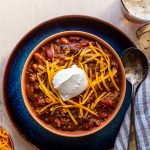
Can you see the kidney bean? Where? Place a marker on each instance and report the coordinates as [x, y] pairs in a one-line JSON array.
[[107, 102], [74, 38], [32, 78], [103, 115], [36, 88], [75, 51], [85, 119], [98, 122], [116, 80], [64, 40], [56, 47], [30, 91], [40, 101], [38, 58], [83, 44], [62, 63], [61, 56], [114, 64], [35, 67], [64, 121], [35, 96], [49, 53], [57, 41], [47, 120], [57, 123], [47, 100], [73, 46]]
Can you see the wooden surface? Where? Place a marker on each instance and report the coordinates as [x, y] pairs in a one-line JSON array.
[[19, 16]]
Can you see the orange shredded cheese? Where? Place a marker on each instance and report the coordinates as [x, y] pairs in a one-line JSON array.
[[5, 142], [88, 96], [95, 82], [96, 67], [104, 83], [111, 76], [70, 63], [65, 106], [89, 59], [67, 52], [69, 58], [98, 82], [88, 106], [96, 95], [89, 55], [72, 117], [52, 47], [47, 106], [83, 107], [80, 110], [101, 97], [93, 49], [45, 90], [42, 68], [85, 52]]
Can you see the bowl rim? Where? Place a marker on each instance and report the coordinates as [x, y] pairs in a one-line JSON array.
[[51, 128], [132, 16]]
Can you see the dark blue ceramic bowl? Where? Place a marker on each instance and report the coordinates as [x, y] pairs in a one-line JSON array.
[[28, 128]]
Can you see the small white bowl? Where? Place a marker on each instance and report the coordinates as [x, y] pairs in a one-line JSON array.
[[129, 16]]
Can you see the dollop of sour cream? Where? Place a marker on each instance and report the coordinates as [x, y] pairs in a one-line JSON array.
[[70, 82], [138, 8]]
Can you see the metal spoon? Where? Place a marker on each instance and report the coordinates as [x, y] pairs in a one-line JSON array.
[[136, 69]]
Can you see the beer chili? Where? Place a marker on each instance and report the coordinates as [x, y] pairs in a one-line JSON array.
[[86, 110]]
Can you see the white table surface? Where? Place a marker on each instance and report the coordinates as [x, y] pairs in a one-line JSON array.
[[19, 16]]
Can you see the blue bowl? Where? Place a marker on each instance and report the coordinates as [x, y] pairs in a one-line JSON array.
[[28, 128]]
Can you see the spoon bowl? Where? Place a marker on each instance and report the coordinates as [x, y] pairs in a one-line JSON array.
[[136, 65]]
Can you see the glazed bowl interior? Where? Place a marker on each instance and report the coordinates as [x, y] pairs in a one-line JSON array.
[[74, 133]]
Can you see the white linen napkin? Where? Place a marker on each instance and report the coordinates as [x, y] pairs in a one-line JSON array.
[[142, 119]]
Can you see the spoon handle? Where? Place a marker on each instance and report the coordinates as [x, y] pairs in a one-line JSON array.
[[132, 141]]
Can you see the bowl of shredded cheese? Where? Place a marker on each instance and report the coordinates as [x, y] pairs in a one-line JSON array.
[[6, 142], [136, 10]]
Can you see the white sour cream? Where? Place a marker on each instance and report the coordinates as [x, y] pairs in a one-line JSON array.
[[138, 8], [70, 82]]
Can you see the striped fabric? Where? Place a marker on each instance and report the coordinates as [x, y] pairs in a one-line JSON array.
[[142, 119]]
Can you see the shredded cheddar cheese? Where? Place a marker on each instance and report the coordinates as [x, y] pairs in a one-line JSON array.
[[70, 63], [42, 68], [80, 110], [65, 106], [45, 90], [5, 143], [83, 107], [88, 106], [95, 82], [67, 52], [93, 49], [103, 96], [72, 117], [88, 96], [47, 106], [98, 82], [89, 59], [104, 83]]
